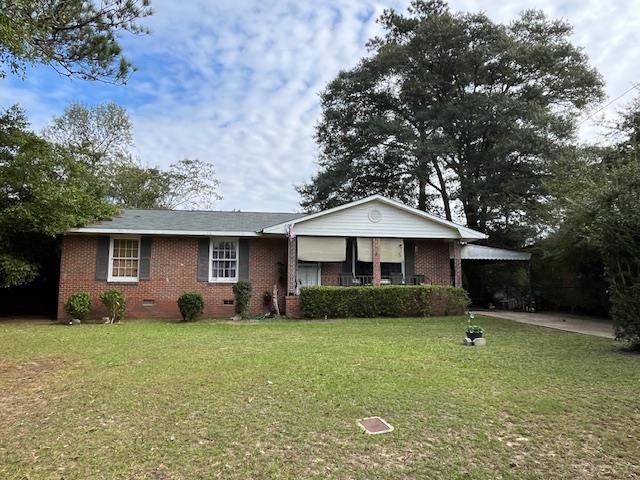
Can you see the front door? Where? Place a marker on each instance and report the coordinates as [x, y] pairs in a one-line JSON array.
[[308, 275]]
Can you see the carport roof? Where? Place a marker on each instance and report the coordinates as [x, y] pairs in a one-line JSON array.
[[481, 252]]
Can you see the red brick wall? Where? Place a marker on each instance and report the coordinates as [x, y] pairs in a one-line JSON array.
[[173, 270], [331, 273], [264, 271], [432, 261], [293, 306]]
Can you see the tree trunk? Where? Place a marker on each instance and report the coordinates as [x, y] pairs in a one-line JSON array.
[[471, 212], [274, 300], [422, 192], [443, 190]]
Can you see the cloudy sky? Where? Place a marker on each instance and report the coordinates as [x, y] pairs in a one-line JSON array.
[[237, 82]]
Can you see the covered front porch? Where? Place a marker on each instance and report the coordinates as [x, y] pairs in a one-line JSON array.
[[373, 241], [371, 261]]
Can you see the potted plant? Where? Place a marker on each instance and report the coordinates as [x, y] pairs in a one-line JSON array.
[[473, 331]]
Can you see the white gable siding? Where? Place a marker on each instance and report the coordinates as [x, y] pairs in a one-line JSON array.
[[355, 222]]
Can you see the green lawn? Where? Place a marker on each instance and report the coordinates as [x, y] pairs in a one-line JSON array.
[[279, 399]]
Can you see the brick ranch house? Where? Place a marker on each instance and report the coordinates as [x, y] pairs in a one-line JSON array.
[[153, 256]]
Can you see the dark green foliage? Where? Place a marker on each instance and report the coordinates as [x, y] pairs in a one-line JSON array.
[[625, 312], [77, 38], [242, 292], [598, 192], [386, 301], [616, 228], [191, 305], [45, 191], [475, 329], [453, 106], [116, 304], [78, 305]]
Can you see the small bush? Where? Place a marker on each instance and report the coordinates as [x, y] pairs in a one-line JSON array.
[[625, 311], [242, 292], [191, 305], [116, 305], [385, 301], [78, 305]]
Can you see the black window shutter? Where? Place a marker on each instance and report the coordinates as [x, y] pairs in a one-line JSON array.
[[145, 258], [203, 260], [409, 258], [102, 258], [243, 260]]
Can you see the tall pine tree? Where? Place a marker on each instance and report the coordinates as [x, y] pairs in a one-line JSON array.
[[454, 109]]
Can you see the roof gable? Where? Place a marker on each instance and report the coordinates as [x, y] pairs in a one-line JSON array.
[[377, 216]]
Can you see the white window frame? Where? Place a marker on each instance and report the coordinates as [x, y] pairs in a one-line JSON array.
[[213, 279], [110, 277]]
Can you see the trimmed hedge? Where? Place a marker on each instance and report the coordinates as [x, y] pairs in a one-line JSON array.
[[385, 301]]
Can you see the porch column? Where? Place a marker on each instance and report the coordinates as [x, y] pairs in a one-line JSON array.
[[375, 251], [457, 263], [292, 266]]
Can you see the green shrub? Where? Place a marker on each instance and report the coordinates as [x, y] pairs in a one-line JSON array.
[[78, 305], [625, 311], [385, 301], [191, 305], [116, 305], [242, 292]]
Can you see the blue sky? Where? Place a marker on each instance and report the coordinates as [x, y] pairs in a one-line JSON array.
[[236, 82]]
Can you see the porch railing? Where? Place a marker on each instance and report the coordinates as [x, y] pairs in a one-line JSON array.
[[349, 280]]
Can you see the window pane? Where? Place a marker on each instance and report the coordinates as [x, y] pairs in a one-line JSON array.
[[125, 258], [223, 259]]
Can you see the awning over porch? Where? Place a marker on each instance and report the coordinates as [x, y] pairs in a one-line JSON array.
[[322, 249], [391, 250], [481, 252]]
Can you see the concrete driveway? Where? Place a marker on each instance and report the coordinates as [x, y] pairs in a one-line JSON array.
[[599, 327]]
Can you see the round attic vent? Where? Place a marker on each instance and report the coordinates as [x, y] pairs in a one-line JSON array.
[[375, 215]]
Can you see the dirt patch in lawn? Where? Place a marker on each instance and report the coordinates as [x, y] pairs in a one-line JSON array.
[[26, 385]]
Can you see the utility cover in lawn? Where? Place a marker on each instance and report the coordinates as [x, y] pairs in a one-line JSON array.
[[375, 425]]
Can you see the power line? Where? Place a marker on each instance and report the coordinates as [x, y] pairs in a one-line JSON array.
[[608, 104]]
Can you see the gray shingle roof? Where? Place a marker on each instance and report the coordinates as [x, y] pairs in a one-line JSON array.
[[135, 219]]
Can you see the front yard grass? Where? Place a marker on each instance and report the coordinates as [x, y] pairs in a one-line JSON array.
[[279, 399]]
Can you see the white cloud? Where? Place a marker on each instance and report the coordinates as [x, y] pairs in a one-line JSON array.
[[237, 82], [247, 98]]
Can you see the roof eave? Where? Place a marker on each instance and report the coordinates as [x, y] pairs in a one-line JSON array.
[[135, 231]]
